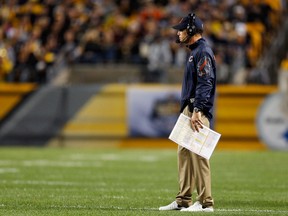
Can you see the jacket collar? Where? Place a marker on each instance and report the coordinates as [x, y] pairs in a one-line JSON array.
[[196, 44]]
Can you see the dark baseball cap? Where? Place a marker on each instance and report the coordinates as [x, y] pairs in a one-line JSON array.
[[182, 25]]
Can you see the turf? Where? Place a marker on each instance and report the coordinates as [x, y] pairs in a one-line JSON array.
[[51, 181]]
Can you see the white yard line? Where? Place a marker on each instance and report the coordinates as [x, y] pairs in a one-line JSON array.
[[115, 157], [34, 182], [8, 170], [156, 209], [50, 163], [252, 210]]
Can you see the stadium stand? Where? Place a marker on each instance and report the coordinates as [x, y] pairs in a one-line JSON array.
[[37, 34]]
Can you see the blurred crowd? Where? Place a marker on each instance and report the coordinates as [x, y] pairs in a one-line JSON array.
[[36, 34]]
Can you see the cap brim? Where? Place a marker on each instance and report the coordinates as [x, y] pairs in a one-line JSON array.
[[180, 26]]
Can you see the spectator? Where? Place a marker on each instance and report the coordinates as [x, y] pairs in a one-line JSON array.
[[159, 59], [35, 33], [90, 47], [5, 64]]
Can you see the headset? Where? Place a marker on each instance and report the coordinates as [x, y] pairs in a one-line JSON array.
[[191, 28]]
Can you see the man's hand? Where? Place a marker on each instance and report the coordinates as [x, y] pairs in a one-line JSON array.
[[196, 122]]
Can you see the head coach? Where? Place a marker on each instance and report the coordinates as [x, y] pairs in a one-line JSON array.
[[197, 100]]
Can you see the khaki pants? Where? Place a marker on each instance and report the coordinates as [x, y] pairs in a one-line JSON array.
[[194, 173]]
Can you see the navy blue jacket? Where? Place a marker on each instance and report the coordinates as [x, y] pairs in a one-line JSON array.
[[199, 82]]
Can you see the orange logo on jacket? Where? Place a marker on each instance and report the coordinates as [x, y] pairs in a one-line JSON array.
[[204, 66]]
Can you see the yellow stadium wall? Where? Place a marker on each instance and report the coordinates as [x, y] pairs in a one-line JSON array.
[[236, 113], [11, 94], [102, 121]]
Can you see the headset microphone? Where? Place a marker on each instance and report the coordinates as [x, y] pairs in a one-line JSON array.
[[184, 41]]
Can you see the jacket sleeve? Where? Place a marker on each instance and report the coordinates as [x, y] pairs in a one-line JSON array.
[[205, 67]]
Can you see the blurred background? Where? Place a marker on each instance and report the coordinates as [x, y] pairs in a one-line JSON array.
[[108, 73]]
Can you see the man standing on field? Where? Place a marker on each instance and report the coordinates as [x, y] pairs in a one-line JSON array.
[[197, 100]]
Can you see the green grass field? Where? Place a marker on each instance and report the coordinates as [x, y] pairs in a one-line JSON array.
[[51, 181]]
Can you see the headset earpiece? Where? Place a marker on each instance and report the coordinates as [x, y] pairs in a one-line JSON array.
[[191, 28]]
